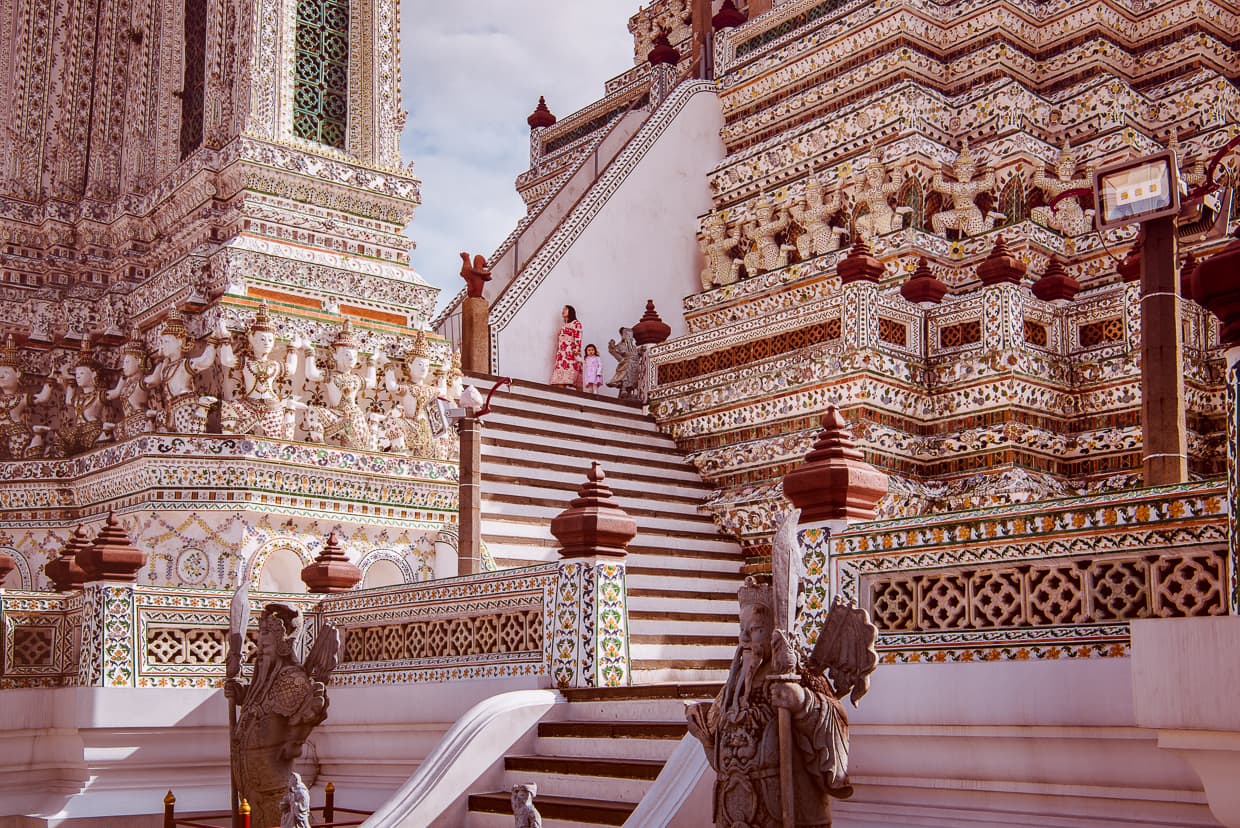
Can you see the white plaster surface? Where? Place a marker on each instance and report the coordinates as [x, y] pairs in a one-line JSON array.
[[642, 244]]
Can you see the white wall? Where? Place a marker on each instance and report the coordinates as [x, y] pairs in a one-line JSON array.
[[641, 244]]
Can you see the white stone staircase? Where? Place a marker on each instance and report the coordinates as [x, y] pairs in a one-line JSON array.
[[682, 574], [595, 763]]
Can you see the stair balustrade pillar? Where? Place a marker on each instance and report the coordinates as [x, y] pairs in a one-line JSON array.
[[590, 622], [832, 487], [469, 507]]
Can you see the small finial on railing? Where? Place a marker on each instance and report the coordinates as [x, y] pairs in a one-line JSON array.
[[170, 816]]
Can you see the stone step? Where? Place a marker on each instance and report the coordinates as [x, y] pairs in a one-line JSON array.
[[647, 675], [523, 405], [583, 441], [677, 652], [553, 393], [568, 810], [535, 509], [670, 547], [563, 486], [695, 583], [503, 450], [537, 466]]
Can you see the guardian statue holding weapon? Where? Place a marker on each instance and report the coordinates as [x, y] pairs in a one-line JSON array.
[[777, 734]]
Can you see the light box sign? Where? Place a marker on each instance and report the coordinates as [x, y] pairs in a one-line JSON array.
[[1136, 190]]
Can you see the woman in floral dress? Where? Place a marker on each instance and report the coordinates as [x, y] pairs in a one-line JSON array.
[[567, 371]]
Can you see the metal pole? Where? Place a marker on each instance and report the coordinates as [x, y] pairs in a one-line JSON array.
[[1164, 442]]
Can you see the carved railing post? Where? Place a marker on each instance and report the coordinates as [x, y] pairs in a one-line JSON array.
[[833, 487], [590, 625], [860, 272], [111, 564]]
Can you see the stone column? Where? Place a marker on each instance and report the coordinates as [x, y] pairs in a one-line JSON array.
[[860, 272], [1216, 287], [832, 487], [1164, 442], [111, 564], [475, 335], [469, 502], [590, 626]]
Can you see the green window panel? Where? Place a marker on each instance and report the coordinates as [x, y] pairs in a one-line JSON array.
[[321, 87]]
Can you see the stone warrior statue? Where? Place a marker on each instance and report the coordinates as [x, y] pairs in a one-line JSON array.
[[1067, 216], [962, 212], [131, 391], [628, 355], [81, 425], [718, 242], [280, 705], [343, 419], [18, 439], [766, 253], [874, 191], [264, 408], [295, 806], [174, 379], [525, 815], [814, 212], [777, 734]]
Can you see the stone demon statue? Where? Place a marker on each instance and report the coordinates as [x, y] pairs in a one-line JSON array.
[[777, 734], [281, 703]]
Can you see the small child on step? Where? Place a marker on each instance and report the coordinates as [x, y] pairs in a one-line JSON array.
[[593, 370]]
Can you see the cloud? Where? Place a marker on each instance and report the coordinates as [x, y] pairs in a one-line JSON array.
[[471, 71]]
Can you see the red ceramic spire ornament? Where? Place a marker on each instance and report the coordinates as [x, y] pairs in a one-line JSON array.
[[651, 329], [111, 557], [541, 116], [923, 287], [332, 571], [728, 16], [1056, 285], [64, 571], [1001, 266], [834, 485], [860, 265], [593, 524], [663, 52]]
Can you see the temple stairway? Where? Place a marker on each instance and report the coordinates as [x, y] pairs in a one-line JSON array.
[[594, 765], [682, 574]]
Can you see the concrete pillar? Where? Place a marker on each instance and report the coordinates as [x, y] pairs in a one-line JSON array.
[[469, 548], [475, 336], [1164, 442]]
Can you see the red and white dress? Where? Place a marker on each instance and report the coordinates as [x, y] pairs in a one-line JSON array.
[[567, 369]]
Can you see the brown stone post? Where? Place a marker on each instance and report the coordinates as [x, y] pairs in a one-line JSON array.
[[475, 336], [469, 501], [111, 557], [1164, 442], [332, 571], [591, 636]]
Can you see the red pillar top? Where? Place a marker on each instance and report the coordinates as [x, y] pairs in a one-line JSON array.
[[331, 571], [111, 557], [651, 329], [541, 116], [728, 16], [923, 287], [860, 265], [663, 52], [593, 524], [1056, 285], [1001, 266], [835, 485], [65, 570]]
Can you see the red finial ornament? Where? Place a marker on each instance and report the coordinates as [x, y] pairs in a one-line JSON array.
[[728, 16], [835, 484], [860, 265], [1001, 266], [663, 52], [651, 329], [111, 557], [593, 523], [923, 287], [64, 571], [541, 116], [1056, 285], [331, 571]]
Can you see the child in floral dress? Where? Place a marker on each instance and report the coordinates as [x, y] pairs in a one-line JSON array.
[[593, 377]]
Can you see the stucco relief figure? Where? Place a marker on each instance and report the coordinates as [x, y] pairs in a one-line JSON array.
[[525, 815], [265, 404], [295, 806], [279, 706], [777, 734], [81, 421], [960, 211], [875, 191], [18, 439], [1067, 216], [814, 212], [343, 419], [174, 381], [409, 427], [130, 391], [718, 242], [766, 252], [628, 356]]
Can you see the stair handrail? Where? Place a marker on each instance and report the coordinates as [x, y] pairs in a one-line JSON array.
[[681, 775], [472, 745]]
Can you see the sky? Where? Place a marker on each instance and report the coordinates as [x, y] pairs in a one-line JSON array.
[[471, 72]]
